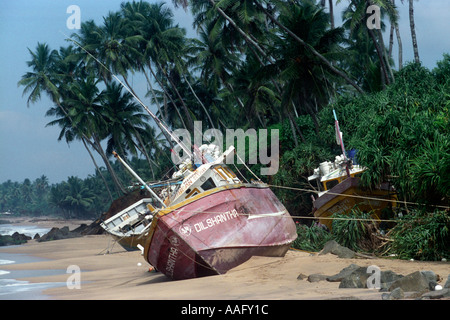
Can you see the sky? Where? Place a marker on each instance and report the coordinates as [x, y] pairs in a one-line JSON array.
[[29, 149]]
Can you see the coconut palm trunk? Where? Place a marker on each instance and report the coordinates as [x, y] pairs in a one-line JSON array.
[[413, 31]]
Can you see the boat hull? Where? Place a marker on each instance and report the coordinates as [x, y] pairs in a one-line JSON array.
[[219, 230], [336, 201], [130, 243]]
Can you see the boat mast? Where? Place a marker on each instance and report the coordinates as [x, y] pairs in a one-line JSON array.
[[341, 142]]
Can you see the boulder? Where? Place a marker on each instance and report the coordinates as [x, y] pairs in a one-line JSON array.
[[396, 294], [439, 294], [447, 283], [343, 273], [387, 278], [430, 275], [335, 248], [56, 234], [302, 276], [415, 281], [316, 277], [356, 279], [20, 237], [355, 276]]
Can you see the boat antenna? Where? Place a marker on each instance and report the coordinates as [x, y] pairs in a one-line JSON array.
[[157, 120]]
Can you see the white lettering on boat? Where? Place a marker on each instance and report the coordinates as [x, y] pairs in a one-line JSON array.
[[190, 180], [171, 260], [216, 220]]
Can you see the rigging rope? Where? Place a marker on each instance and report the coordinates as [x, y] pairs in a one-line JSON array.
[[357, 196]]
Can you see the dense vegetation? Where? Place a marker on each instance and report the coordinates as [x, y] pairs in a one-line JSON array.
[[255, 64]]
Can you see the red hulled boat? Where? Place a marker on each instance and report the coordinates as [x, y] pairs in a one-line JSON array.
[[210, 222], [218, 230]]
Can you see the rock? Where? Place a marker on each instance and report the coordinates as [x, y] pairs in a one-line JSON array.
[[302, 276], [37, 236], [335, 248], [430, 275], [19, 237], [355, 276], [14, 239], [415, 281], [316, 277], [432, 285], [437, 294], [356, 279], [396, 294], [447, 283], [387, 278], [343, 273], [57, 234]]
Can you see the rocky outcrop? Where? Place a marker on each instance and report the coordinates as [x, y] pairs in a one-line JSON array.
[[336, 249], [14, 239], [63, 233], [393, 286]]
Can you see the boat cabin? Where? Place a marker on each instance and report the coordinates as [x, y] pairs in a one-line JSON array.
[[330, 174], [207, 176]]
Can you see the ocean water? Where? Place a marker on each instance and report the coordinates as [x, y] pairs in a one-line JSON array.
[[9, 229], [10, 287]]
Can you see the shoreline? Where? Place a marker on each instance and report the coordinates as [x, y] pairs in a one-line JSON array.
[[124, 275], [44, 222]]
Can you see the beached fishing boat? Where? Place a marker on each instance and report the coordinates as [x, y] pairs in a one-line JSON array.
[[340, 189], [126, 226], [206, 223], [209, 223]]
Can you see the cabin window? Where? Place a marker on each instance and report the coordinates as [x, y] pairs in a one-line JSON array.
[[331, 184], [208, 184]]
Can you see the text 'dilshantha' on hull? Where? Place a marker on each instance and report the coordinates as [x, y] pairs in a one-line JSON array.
[[216, 232]]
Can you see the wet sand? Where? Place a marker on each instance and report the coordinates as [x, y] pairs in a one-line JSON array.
[[108, 272]]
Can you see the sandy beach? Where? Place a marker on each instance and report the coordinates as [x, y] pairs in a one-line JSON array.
[[109, 272]]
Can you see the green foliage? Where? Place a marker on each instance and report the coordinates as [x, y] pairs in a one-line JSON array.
[[28, 197], [422, 236], [401, 134], [350, 229], [311, 238]]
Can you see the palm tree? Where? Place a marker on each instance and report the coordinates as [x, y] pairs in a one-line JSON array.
[[354, 17], [126, 126], [86, 113], [394, 27], [41, 78], [306, 78], [72, 197], [324, 60], [211, 59], [158, 42], [413, 31]]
